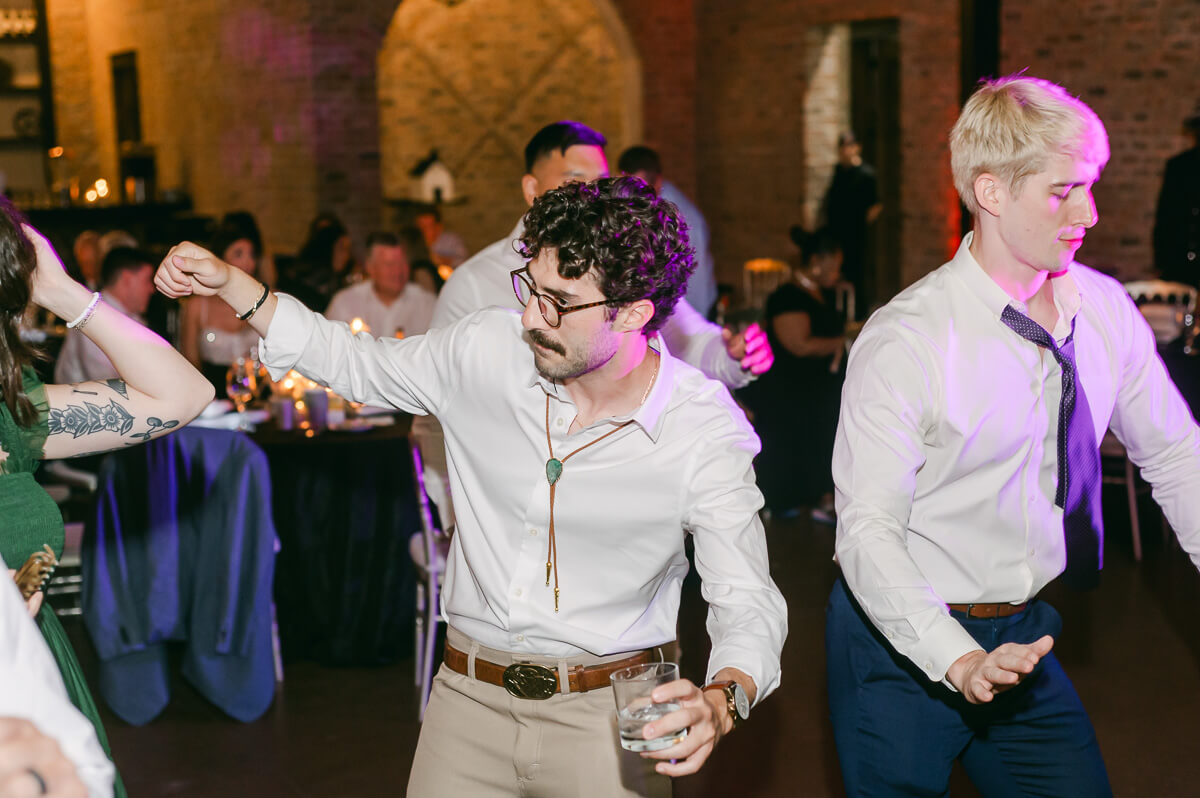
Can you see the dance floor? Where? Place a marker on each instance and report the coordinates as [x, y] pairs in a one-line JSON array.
[[1132, 648]]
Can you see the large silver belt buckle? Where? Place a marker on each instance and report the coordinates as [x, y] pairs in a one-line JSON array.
[[526, 680]]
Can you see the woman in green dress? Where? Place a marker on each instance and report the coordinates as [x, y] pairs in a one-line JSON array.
[[158, 390]]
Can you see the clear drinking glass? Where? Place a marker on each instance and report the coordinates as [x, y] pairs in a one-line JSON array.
[[632, 688], [240, 383]]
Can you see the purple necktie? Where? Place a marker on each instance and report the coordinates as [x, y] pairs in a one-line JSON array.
[[1078, 459]]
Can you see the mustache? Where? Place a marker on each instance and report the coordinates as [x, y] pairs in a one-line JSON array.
[[541, 339]]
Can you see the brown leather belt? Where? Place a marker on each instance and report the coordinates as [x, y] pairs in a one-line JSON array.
[[988, 610], [529, 680]]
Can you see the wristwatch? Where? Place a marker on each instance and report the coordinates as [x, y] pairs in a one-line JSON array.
[[736, 700]]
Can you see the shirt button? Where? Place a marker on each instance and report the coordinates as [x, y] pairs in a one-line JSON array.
[[520, 592], [928, 666], [520, 638], [1032, 552], [533, 533], [559, 422]]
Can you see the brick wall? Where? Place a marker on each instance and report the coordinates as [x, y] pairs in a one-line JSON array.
[[754, 179], [1138, 66], [475, 81], [276, 106]]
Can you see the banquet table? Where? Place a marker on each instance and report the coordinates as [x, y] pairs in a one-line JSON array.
[[344, 507]]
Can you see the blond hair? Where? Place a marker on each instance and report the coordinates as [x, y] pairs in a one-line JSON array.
[[1012, 126]]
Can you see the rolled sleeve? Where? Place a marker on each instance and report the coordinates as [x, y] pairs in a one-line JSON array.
[[747, 615], [878, 450]]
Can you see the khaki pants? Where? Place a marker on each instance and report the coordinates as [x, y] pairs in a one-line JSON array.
[[479, 741]]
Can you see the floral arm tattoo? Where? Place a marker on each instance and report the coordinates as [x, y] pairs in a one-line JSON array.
[[88, 418]]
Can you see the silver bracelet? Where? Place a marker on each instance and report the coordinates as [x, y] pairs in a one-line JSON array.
[[86, 315]]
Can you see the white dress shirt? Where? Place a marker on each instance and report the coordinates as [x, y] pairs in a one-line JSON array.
[[31, 687], [80, 360], [410, 312], [485, 281], [702, 285], [946, 461], [623, 507]]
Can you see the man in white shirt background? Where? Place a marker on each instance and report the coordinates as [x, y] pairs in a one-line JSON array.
[[565, 151], [641, 161], [387, 302], [967, 471], [581, 453], [127, 280], [46, 746]]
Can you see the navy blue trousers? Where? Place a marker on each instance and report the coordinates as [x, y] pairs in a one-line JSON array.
[[898, 733]]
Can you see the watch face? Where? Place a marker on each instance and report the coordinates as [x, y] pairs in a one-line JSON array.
[[741, 701]]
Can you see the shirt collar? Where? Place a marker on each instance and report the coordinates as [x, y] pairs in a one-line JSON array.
[[1067, 297], [650, 414]]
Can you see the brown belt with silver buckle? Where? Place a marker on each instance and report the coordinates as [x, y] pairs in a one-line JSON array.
[[989, 610], [529, 680]]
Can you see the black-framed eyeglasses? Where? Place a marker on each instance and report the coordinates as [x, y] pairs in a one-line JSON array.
[[552, 310]]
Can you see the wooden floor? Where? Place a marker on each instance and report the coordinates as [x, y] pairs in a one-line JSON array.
[[1132, 648]]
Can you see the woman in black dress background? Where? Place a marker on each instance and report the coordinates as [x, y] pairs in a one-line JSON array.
[[795, 404]]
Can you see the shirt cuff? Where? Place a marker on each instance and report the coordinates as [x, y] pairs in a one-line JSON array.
[[764, 674], [287, 337], [940, 647]]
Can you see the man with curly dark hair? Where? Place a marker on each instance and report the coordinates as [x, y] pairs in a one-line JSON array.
[[582, 454]]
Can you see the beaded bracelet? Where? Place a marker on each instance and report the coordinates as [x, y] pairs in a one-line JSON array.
[[86, 315], [257, 305]]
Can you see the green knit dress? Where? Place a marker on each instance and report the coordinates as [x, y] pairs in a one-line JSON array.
[[29, 519]]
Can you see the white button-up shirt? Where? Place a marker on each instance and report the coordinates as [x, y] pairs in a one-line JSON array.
[[622, 510], [410, 312], [31, 688], [946, 461], [485, 281]]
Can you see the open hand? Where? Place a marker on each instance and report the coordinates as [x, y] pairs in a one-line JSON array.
[[980, 675], [750, 348], [704, 716], [191, 269]]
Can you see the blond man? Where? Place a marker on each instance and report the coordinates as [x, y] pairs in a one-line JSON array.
[[967, 471]]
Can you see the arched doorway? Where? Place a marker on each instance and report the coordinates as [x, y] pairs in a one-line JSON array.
[[475, 79]]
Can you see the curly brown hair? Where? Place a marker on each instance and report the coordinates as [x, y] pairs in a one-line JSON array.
[[635, 242], [17, 262]]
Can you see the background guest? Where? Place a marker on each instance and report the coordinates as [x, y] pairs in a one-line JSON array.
[[422, 269], [1177, 218], [86, 250], [851, 206], [644, 162], [127, 280], [387, 301], [211, 337], [446, 248], [795, 404], [324, 265]]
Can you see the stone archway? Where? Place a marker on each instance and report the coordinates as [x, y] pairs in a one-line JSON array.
[[476, 79]]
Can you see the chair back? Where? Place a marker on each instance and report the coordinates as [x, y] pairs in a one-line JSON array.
[[760, 277], [429, 529], [1165, 305]]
